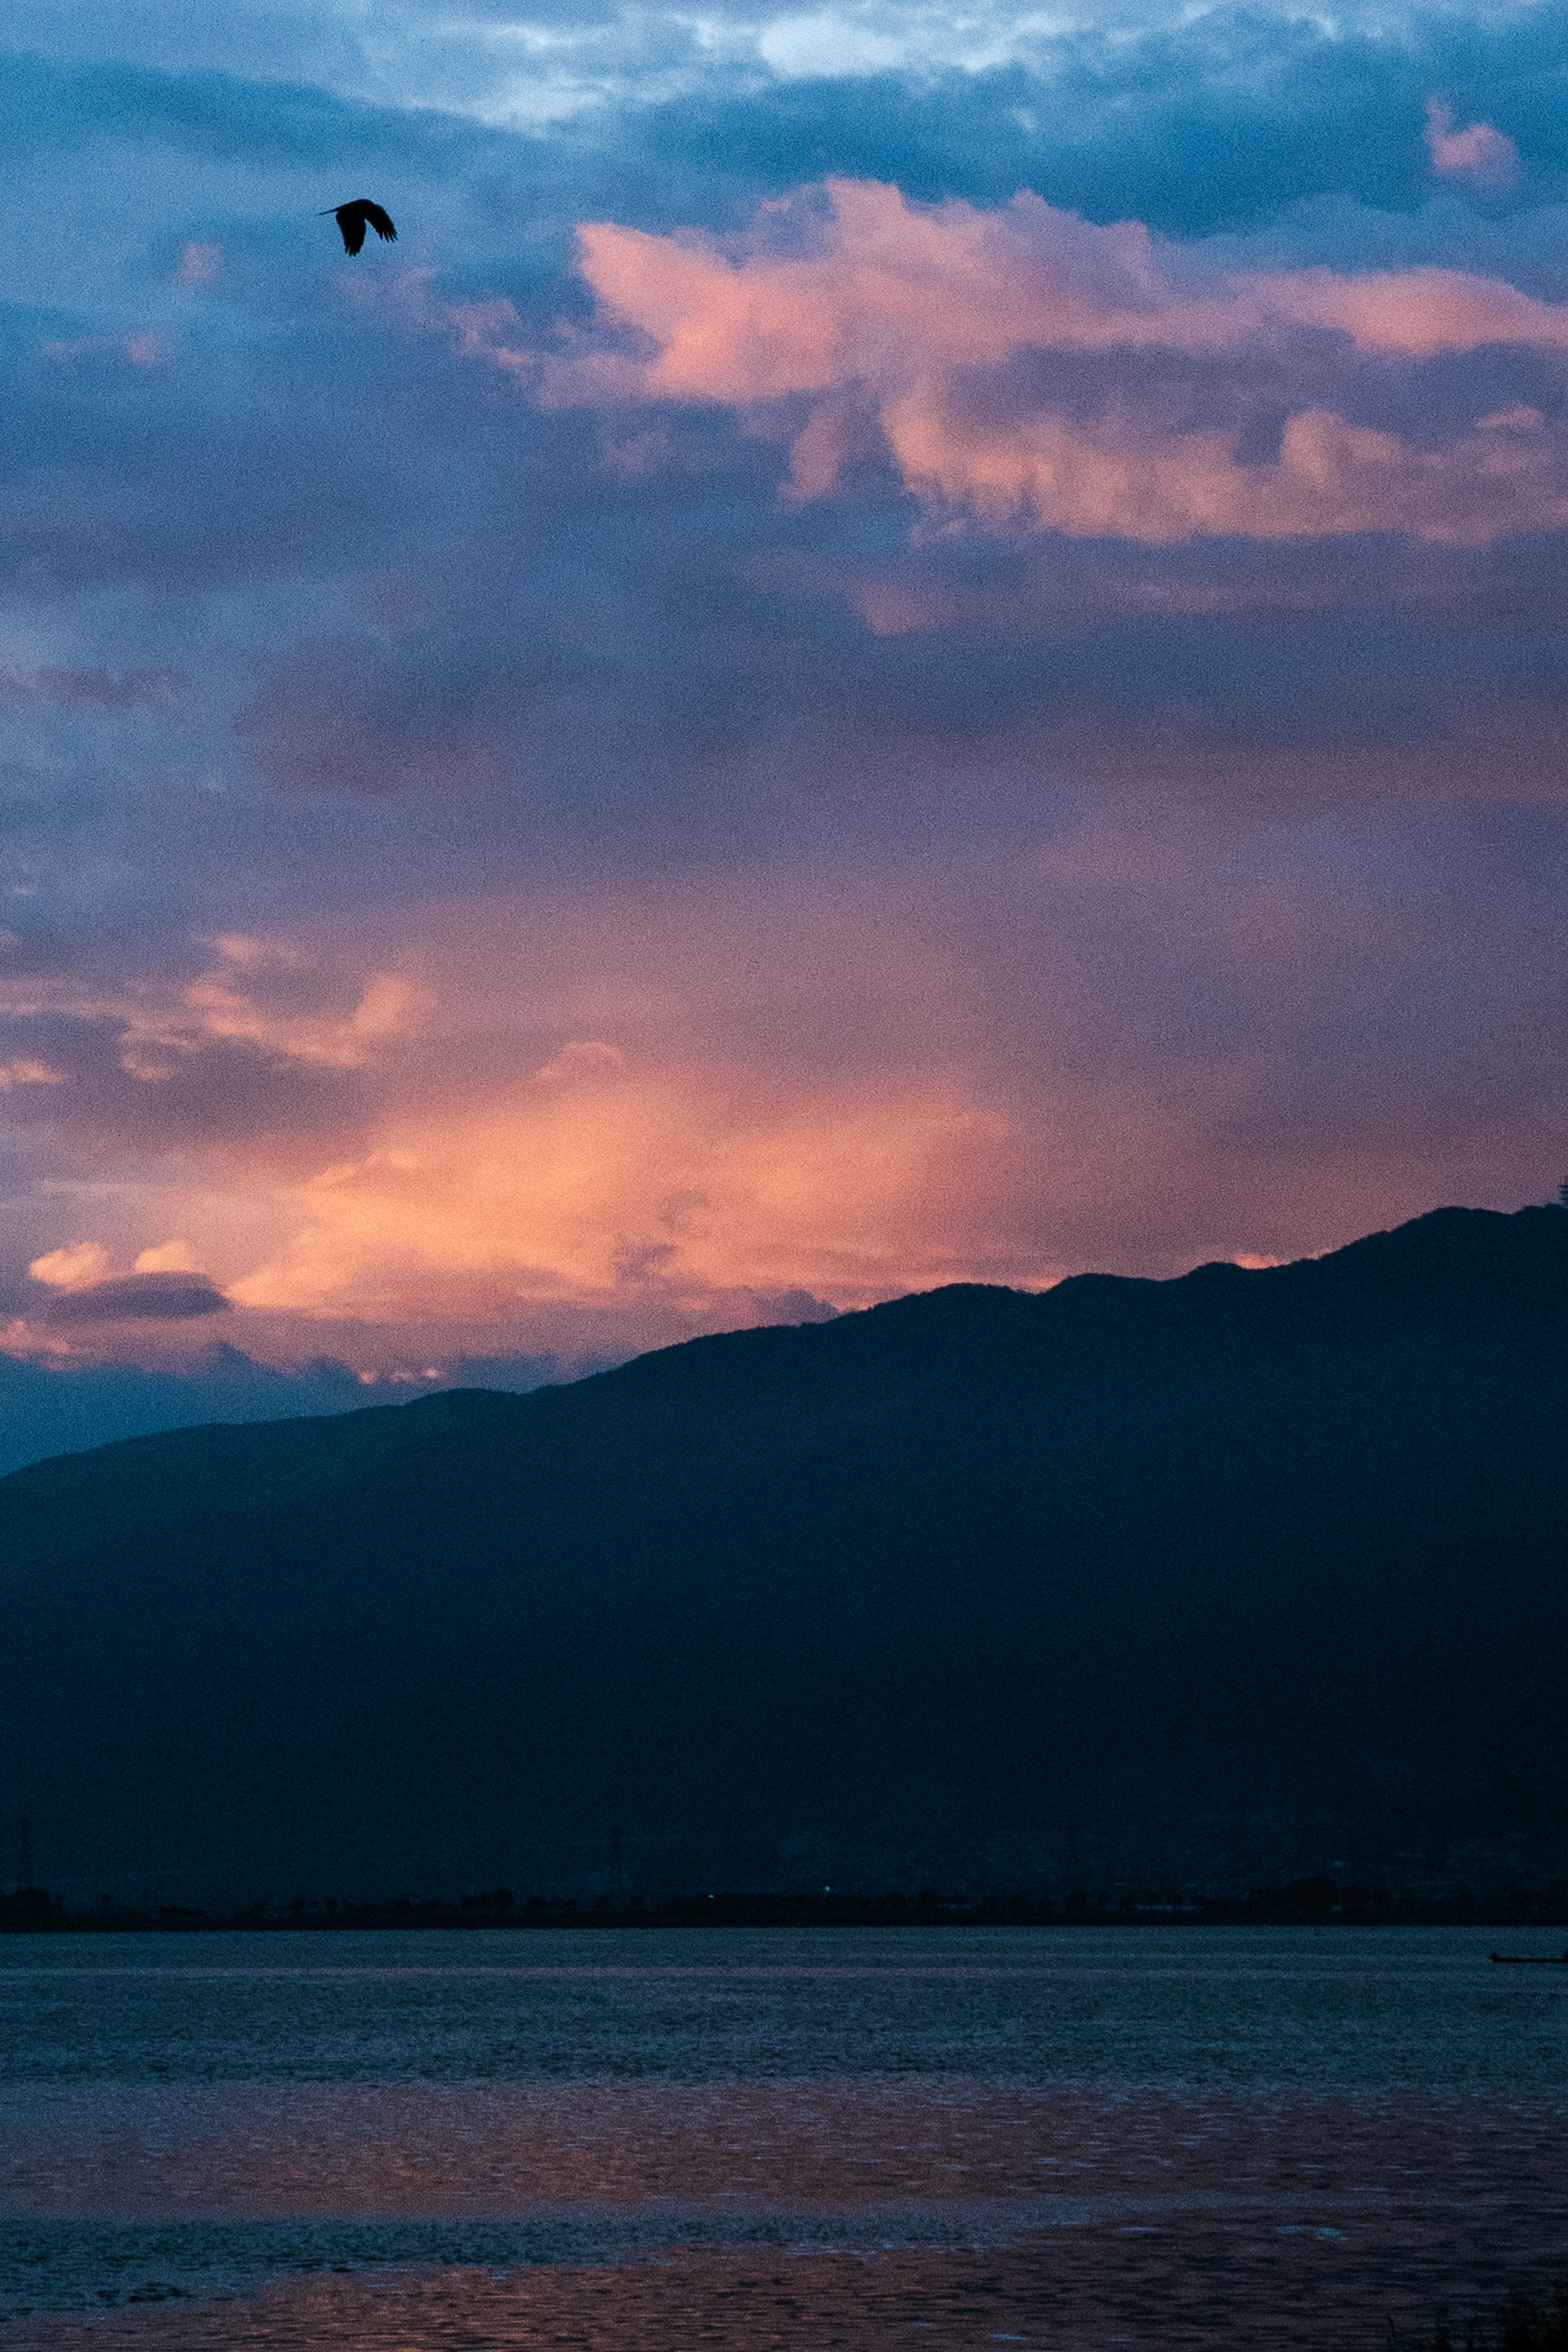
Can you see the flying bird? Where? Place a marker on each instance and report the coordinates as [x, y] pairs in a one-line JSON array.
[[355, 218]]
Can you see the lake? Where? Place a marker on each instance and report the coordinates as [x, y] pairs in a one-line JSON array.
[[1059, 2137]]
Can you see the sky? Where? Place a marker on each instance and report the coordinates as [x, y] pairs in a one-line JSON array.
[[890, 646]]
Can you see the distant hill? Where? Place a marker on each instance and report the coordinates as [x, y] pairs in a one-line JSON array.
[[46, 1409], [49, 1409], [1247, 1571]]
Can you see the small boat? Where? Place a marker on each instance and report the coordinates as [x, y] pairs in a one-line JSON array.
[[1531, 1959]]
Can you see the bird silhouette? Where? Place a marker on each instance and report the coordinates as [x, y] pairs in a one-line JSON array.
[[354, 219]]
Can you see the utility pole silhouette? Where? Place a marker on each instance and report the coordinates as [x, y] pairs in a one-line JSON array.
[[25, 1855]]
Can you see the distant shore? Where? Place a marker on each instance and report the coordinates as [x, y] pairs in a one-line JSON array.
[[1304, 1903]]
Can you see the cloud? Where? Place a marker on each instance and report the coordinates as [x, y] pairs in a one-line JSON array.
[[67, 1268], [162, 692], [1001, 355], [169, 1258], [137, 1299], [261, 1001], [621, 1182], [337, 718], [199, 262], [212, 1008], [912, 734], [581, 1062], [1486, 156]]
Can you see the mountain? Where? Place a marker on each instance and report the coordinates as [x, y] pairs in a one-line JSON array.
[[1249, 1570], [46, 1409], [49, 1409]]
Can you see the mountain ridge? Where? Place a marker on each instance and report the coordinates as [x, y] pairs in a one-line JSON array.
[[917, 1586]]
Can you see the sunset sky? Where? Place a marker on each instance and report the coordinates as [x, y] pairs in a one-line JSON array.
[[891, 646]]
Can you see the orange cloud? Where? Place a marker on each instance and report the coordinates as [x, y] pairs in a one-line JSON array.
[[624, 1118], [66, 1269], [593, 1181], [170, 1257], [900, 308]]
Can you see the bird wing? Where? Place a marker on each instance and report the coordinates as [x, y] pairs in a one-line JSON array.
[[380, 221], [350, 219]]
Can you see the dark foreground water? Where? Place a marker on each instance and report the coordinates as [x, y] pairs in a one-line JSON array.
[[903, 2137]]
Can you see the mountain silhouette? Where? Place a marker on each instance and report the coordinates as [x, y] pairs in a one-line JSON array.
[[1244, 1571]]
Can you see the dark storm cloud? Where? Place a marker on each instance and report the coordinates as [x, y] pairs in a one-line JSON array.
[[1189, 124], [1231, 120], [137, 1299]]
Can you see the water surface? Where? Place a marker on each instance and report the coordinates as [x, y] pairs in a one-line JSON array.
[[1061, 2137]]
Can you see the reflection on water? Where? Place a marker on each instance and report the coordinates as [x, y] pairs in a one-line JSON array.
[[746, 2137]]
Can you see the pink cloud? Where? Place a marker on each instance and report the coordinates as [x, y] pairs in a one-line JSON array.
[[198, 264], [1481, 153], [1413, 312], [921, 315], [483, 328]]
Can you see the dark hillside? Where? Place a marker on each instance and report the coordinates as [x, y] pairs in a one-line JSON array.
[[1242, 1571], [53, 1508]]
